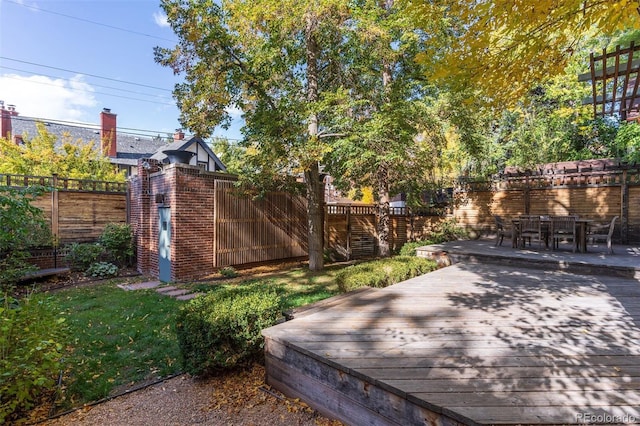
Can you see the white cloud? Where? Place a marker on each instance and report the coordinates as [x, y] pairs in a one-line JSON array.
[[234, 111], [160, 19], [44, 97]]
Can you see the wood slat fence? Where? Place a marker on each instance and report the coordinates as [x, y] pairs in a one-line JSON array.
[[592, 194], [350, 230], [77, 210]]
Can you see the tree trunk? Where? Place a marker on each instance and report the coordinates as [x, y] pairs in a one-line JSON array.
[[382, 227], [382, 175], [315, 193]]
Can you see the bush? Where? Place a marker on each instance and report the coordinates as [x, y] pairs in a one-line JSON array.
[[223, 330], [102, 270], [117, 240], [228, 272], [22, 226], [82, 256], [447, 230], [30, 353], [409, 249], [382, 273]]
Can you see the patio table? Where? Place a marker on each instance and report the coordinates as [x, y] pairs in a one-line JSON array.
[[545, 222]]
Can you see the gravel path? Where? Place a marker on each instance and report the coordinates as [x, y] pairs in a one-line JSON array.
[[233, 399]]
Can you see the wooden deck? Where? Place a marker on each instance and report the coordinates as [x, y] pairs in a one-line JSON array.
[[469, 344]]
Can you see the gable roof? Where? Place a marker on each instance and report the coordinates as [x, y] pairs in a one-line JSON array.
[[182, 145]]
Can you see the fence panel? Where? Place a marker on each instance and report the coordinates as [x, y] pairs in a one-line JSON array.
[[249, 231]]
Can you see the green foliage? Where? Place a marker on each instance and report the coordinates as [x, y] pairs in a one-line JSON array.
[[382, 273], [228, 272], [409, 248], [31, 336], [628, 142], [117, 240], [447, 230], [102, 270], [82, 255], [223, 330], [22, 226], [44, 155]]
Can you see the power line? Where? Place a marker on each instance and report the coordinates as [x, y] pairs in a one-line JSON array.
[[90, 126], [83, 73], [92, 84], [89, 21], [97, 93]]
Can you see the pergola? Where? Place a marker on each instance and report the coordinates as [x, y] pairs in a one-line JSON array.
[[614, 82]]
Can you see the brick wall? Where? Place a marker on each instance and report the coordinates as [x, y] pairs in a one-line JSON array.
[[195, 249]]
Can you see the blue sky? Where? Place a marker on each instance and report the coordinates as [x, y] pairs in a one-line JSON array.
[[67, 60]]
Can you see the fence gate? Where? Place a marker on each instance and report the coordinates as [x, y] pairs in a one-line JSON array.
[[164, 244]]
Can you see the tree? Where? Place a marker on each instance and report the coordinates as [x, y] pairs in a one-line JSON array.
[[503, 48], [42, 155], [273, 60], [390, 136]]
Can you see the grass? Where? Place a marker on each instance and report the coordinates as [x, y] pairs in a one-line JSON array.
[[118, 339]]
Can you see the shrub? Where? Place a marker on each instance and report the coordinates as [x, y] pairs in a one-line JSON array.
[[447, 230], [409, 249], [82, 256], [30, 353], [117, 240], [22, 226], [382, 273], [102, 270], [223, 330], [228, 272]]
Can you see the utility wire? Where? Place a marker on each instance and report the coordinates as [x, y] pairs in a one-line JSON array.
[[97, 93], [89, 21], [92, 84], [83, 73]]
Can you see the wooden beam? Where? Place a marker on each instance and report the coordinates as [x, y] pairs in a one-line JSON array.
[[623, 100]]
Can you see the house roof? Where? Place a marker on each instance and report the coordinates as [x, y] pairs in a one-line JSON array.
[[129, 147], [183, 145]]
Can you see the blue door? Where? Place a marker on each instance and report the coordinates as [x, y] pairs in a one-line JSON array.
[[164, 244]]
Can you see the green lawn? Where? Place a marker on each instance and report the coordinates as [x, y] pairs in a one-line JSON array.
[[119, 339]]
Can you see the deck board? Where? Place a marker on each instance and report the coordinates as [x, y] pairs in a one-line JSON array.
[[474, 344]]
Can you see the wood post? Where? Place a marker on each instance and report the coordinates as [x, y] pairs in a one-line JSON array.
[[55, 211], [624, 213]]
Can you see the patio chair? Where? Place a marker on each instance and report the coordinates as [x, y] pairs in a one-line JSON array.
[[563, 228], [530, 227], [502, 230], [597, 233]]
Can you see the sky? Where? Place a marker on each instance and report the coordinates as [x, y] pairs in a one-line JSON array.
[[67, 60]]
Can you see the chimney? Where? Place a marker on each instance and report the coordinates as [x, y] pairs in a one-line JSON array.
[[178, 135], [5, 119], [108, 132]]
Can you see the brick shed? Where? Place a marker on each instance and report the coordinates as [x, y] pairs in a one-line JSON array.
[[189, 222]]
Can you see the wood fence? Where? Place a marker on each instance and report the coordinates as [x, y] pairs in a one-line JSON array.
[[350, 230], [77, 210], [592, 194], [248, 230]]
